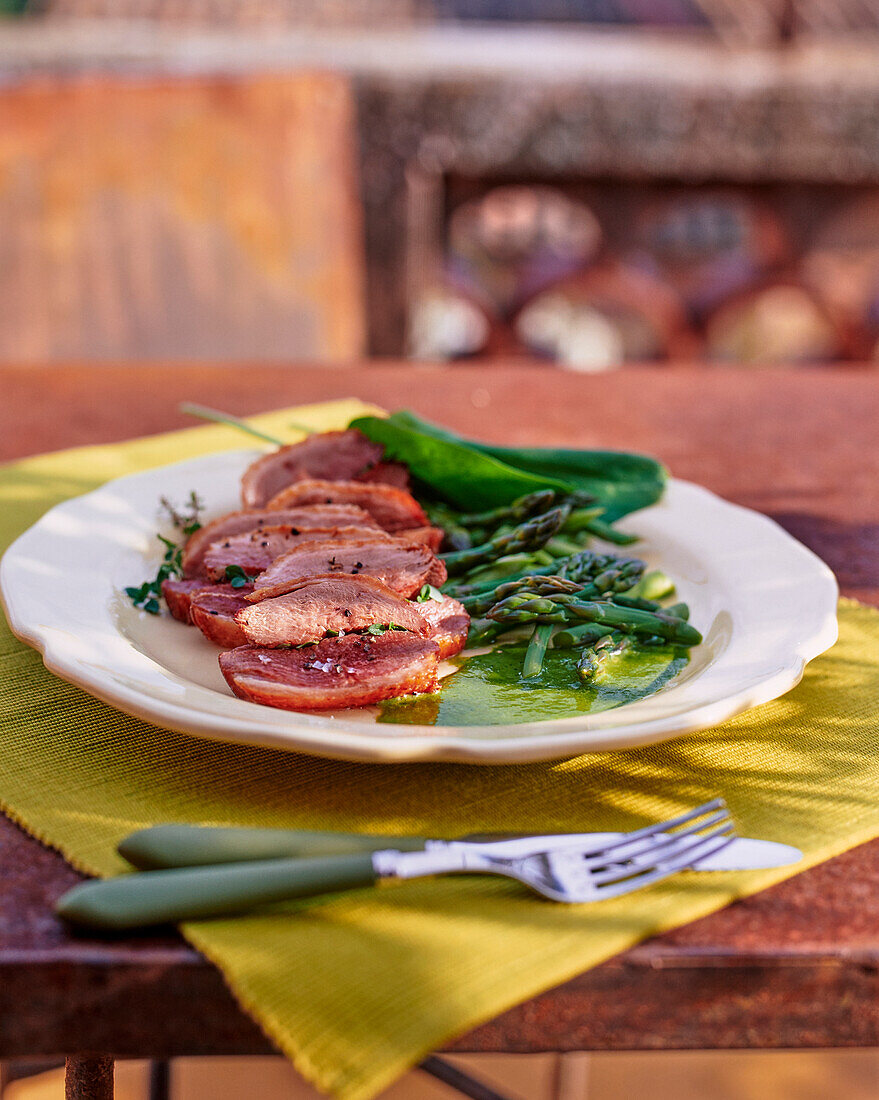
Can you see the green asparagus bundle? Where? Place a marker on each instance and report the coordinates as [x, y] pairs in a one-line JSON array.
[[530, 535], [605, 572], [566, 608], [525, 507], [536, 584]]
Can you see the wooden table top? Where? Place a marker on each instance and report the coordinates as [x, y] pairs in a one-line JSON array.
[[794, 966]]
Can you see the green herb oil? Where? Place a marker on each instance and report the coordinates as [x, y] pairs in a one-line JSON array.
[[488, 689]]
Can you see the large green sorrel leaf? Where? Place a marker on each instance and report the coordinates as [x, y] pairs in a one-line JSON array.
[[474, 475]]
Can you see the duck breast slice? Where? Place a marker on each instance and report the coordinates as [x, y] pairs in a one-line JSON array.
[[334, 456], [255, 550], [179, 592], [213, 610], [237, 523], [430, 536], [318, 605], [386, 473], [449, 624], [353, 671], [393, 509], [403, 567]]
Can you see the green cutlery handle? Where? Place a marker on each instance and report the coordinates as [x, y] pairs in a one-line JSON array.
[[154, 897], [196, 845]]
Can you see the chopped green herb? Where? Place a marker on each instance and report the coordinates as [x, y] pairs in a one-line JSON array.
[[383, 628], [429, 592], [237, 577]]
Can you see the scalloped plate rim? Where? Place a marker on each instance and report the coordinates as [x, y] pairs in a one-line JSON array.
[[553, 739]]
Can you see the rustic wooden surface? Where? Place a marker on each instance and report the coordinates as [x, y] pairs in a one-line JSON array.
[[795, 966], [201, 217]]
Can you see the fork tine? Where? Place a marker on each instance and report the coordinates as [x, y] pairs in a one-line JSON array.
[[664, 826], [646, 846], [677, 858], [665, 871]]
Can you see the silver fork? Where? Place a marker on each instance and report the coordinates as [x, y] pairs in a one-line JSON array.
[[563, 868]]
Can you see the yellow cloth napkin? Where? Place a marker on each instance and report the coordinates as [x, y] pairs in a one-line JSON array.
[[357, 989]]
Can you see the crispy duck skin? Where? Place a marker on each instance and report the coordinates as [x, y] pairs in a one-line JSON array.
[[255, 550], [449, 624], [178, 594], [403, 567], [353, 671], [237, 523], [320, 604], [391, 508], [213, 609], [333, 456]]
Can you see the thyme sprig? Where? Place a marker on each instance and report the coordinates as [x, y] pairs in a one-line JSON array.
[[186, 520]]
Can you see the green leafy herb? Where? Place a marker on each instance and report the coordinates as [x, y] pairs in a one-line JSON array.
[[429, 592], [383, 628], [452, 469], [237, 577], [186, 519], [473, 475]]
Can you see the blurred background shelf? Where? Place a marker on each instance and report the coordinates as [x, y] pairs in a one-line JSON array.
[[579, 181]]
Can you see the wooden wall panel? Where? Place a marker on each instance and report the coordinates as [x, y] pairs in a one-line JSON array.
[[179, 218]]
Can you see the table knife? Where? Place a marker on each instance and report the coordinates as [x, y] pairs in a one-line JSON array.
[[167, 846]]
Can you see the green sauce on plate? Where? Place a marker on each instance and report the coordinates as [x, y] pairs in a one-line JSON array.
[[488, 690]]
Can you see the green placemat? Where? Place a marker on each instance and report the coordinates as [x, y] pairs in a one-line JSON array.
[[358, 989]]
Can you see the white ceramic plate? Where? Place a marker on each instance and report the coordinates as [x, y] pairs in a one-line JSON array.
[[764, 603]]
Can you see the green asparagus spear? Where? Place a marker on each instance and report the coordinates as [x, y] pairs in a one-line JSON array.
[[536, 650], [530, 505], [625, 599], [573, 637], [535, 584], [440, 515], [530, 535], [608, 533], [594, 659], [595, 573], [562, 608], [580, 519], [654, 586], [484, 632], [679, 610], [606, 571], [561, 547]]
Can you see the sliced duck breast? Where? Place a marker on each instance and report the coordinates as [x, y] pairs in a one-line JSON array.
[[353, 671], [178, 594], [237, 523], [430, 536], [316, 606], [403, 567], [386, 473], [393, 509], [255, 550], [449, 624], [213, 610], [333, 456]]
